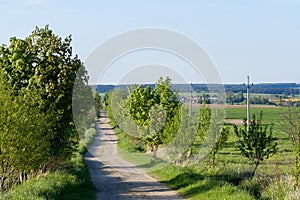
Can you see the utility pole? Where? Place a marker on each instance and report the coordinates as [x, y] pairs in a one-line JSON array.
[[191, 95], [248, 103]]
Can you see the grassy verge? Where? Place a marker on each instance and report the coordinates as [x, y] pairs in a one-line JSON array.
[[191, 182], [71, 182]]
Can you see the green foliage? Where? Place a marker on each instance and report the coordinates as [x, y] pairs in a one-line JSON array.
[[257, 143], [24, 144], [168, 99], [181, 146], [71, 181], [231, 178], [215, 134], [234, 98], [128, 143], [151, 116], [291, 125], [44, 61], [155, 113], [118, 104], [190, 182], [108, 104], [152, 134], [219, 144], [282, 187], [204, 123], [37, 75], [71, 184], [98, 103], [140, 102], [83, 103]]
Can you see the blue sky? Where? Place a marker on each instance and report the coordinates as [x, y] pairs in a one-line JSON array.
[[260, 38]]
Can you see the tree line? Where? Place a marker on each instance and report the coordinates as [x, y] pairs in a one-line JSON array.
[[155, 117]]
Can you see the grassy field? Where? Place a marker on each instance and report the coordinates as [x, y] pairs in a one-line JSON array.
[[270, 113], [230, 178]]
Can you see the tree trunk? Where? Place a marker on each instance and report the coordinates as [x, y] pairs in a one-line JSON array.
[[22, 177], [297, 173], [155, 148], [255, 168], [2, 180], [189, 153], [149, 149]]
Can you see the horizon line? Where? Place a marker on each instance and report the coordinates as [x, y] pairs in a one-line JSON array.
[[197, 83]]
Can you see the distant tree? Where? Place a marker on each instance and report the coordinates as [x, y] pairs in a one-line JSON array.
[[117, 96], [234, 97], [256, 144], [108, 104], [98, 103]]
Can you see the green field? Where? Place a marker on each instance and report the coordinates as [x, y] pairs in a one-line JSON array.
[[270, 114]]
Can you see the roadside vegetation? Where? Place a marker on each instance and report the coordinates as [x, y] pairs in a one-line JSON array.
[[41, 151], [235, 164]]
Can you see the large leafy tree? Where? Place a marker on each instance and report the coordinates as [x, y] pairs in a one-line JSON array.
[[168, 98], [44, 61], [154, 112]]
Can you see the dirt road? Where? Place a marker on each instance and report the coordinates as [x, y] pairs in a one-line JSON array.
[[115, 178]]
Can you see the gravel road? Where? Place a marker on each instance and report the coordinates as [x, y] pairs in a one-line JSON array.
[[115, 178]]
